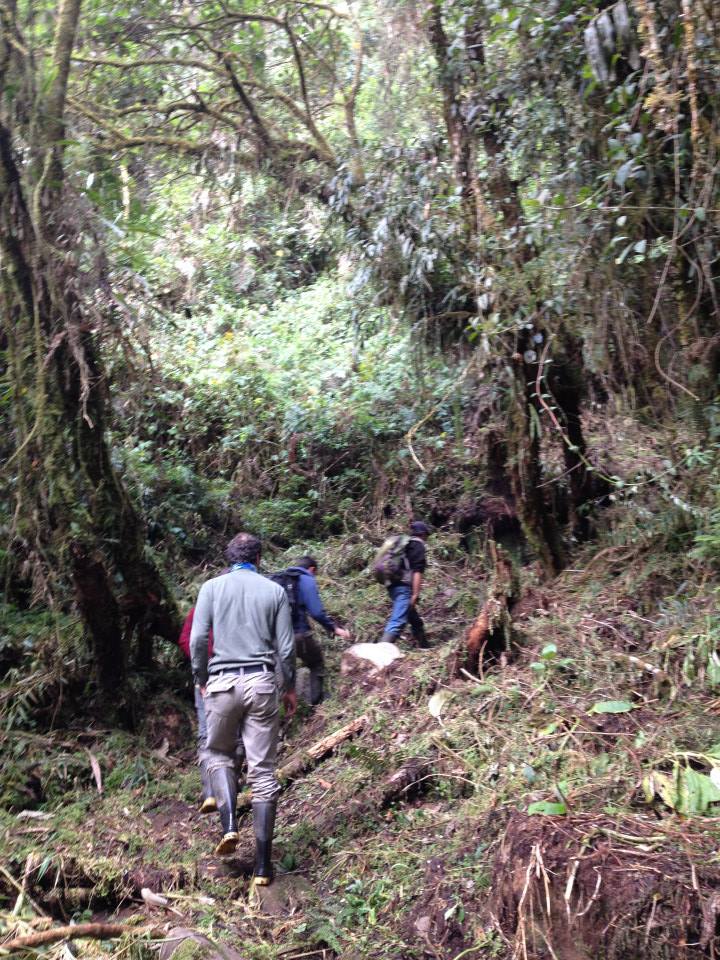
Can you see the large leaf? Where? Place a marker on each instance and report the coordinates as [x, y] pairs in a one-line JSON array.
[[548, 808], [685, 790], [611, 706]]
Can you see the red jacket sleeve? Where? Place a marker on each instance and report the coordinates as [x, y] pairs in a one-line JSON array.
[[184, 638]]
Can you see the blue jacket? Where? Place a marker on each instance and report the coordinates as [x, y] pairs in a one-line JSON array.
[[310, 604]]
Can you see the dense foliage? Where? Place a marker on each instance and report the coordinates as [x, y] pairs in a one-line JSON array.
[[309, 269]]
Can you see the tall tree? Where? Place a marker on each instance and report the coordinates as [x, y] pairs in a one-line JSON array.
[[73, 518]]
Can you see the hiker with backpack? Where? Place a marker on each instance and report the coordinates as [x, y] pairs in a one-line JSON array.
[[305, 602], [252, 630], [399, 565], [207, 800]]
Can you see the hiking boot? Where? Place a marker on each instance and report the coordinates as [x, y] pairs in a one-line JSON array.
[[388, 638], [228, 844], [264, 826], [421, 640], [207, 804], [224, 785], [317, 688]]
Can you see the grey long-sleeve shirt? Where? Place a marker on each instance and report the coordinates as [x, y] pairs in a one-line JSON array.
[[251, 622]]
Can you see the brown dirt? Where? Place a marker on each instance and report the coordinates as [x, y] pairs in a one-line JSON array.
[[170, 819], [593, 888], [529, 604], [168, 727], [434, 923]]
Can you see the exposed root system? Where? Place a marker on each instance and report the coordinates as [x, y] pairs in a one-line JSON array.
[[595, 888]]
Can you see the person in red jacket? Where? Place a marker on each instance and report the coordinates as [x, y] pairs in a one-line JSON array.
[[208, 803]]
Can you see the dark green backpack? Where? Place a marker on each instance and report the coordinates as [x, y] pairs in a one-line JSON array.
[[390, 566]]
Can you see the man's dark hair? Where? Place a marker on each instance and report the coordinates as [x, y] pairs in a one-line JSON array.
[[306, 562], [243, 548], [419, 529]]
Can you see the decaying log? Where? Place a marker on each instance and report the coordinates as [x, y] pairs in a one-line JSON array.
[[300, 762], [97, 931], [492, 628], [405, 781], [327, 744]]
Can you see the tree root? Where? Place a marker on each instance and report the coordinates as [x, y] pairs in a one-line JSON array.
[[490, 632], [406, 781]]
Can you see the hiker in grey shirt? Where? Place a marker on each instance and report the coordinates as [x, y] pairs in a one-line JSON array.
[[252, 628]]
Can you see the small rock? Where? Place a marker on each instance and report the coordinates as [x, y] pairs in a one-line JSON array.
[[153, 899], [285, 894], [182, 943], [422, 925]]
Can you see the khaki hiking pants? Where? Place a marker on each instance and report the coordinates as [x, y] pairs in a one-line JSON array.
[[248, 704]]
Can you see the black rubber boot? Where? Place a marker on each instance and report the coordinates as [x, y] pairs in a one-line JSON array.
[[421, 640], [224, 784], [264, 826], [317, 688], [388, 638], [208, 804]]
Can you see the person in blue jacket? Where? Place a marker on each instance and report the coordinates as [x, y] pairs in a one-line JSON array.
[[310, 605]]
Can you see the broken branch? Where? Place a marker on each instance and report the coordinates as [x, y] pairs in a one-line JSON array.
[[96, 931], [301, 762]]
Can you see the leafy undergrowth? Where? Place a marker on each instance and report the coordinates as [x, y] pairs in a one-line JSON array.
[[565, 804]]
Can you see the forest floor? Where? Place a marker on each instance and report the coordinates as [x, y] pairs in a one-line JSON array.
[[560, 806]]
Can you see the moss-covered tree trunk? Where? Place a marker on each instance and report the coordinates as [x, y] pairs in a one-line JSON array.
[[534, 509], [459, 132], [473, 113], [72, 512], [566, 379]]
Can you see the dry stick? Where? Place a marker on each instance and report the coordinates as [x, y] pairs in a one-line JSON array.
[[19, 888], [594, 897], [98, 931], [689, 44], [29, 867], [308, 758]]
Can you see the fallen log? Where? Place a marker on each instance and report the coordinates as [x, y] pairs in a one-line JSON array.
[[306, 759], [406, 781], [328, 744], [96, 931]]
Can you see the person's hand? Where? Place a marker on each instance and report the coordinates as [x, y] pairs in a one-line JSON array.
[[289, 699], [413, 601], [342, 632], [203, 689]]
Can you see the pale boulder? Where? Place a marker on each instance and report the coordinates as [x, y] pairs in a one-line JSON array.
[[370, 658]]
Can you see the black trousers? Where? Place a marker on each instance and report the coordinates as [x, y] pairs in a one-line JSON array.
[[310, 652]]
